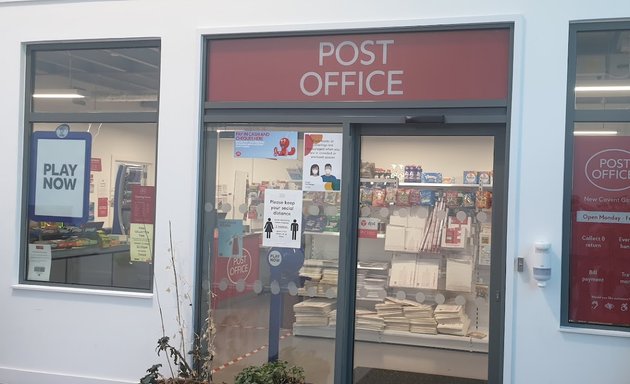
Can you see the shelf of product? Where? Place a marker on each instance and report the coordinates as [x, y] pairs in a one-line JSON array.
[[423, 237], [395, 322], [70, 241]]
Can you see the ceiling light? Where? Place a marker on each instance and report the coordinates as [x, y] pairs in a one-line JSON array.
[[594, 133], [603, 88], [58, 94]]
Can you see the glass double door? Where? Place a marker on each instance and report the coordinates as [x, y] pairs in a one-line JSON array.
[[406, 211], [424, 255]]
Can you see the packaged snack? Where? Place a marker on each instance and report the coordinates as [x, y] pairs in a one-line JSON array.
[[452, 199], [449, 180], [402, 197], [470, 177], [366, 195], [431, 177], [378, 197], [367, 170], [483, 199], [390, 196], [417, 174], [484, 177], [314, 223], [398, 171], [468, 199], [414, 197], [427, 197], [332, 225], [407, 175]]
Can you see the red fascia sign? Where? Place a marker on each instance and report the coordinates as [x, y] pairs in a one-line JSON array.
[[460, 65], [600, 232]]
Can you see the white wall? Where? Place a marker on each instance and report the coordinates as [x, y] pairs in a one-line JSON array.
[[68, 334]]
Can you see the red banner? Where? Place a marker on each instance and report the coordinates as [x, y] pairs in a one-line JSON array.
[[600, 234], [401, 66], [102, 207], [95, 164], [234, 270], [142, 204]]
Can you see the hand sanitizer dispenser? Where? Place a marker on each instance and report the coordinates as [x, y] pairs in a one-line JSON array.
[[541, 262]]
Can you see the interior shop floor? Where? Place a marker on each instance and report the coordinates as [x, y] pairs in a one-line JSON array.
[[243, 336]]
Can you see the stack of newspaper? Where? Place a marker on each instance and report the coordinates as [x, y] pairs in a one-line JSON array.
[[452, 319], [421, 318], [313, 312], [312, 269], [392, 313], [371, 279], [368, 320]]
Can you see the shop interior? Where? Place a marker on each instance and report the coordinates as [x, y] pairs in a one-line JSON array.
[[423, 270]]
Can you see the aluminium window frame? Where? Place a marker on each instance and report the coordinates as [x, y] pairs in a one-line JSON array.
[[574, 116], [31, 118]]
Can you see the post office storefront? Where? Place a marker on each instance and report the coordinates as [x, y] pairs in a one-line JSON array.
[[354, 201]]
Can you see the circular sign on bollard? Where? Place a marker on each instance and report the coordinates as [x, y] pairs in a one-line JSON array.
[[275, 258]]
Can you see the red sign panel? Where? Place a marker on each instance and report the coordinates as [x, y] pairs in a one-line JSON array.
[[401, 66], [142, 204], [600, 233], [230, 272], [102, 207], [95, 164]]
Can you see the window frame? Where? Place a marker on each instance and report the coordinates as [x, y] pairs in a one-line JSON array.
[[575, 116], [31, 118]]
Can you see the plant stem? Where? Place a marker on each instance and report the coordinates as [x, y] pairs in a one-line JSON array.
[[179, 313]]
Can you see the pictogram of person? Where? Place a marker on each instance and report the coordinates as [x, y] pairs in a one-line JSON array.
[[294, 229], [268, 228]]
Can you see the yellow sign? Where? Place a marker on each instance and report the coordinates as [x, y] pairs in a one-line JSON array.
[[141, 242]]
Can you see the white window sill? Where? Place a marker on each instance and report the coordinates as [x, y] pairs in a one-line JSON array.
[[596, 332], [82, 291]]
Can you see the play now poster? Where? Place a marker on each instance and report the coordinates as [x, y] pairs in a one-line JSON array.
[[60, 176], [265, 145], [322, 161], [282, 224], [600, 231]]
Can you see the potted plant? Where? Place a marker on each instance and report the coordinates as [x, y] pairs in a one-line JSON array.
[[182, 371], [273, 372]]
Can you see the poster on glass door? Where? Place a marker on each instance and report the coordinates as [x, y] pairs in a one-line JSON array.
[[282, 225], [322, 161], [600, 231], [265, 145]]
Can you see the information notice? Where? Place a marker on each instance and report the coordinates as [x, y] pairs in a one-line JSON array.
[[600, 232]]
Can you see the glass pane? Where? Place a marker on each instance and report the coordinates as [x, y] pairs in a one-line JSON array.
[[423, 268], [276, 255], [599, 253], [114, 246], [603, 70], [97, 80]]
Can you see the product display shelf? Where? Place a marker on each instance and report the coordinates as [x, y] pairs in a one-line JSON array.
[[379, 181], [442, 185], [322, 233], [462, 343], [87, 251]]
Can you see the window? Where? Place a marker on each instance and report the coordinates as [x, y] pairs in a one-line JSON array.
[[90, 164], [596, 260]]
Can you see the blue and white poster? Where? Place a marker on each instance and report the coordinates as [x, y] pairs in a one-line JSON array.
[[60, 176], [322, 161], [265, 145], [230, 238]]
